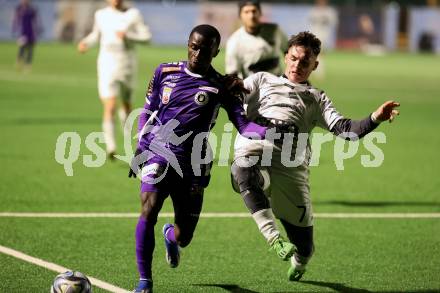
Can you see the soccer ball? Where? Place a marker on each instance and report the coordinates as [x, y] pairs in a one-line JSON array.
[[71, 282]]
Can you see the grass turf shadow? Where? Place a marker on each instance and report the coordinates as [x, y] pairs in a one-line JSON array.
[[338, 287], [229, 287], [377, 203]]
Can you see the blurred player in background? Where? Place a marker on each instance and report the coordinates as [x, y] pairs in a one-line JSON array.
[[324, 21], [27, 26], [369, 39], [291, 103], [255, 46], [117, 28], [182, 104]]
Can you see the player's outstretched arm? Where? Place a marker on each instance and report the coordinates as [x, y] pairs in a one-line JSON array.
[[387, 111], [345, 128]]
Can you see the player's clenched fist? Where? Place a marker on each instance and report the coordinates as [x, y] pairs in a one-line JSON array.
[[234, 84], [121, 35], [82, 47]]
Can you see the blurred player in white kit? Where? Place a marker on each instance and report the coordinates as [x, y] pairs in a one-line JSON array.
[[324, 23], [116, 28]]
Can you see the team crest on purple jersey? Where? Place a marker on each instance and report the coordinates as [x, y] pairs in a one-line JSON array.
[[184, 107], [166, 95], [201, 98]]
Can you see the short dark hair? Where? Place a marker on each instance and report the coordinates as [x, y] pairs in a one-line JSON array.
[[243, 3], [208, 31], [307, 40]]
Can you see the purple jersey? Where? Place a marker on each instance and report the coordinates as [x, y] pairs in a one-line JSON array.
[[25, 22], [185, 105]]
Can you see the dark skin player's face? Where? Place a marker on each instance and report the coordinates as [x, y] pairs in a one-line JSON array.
[[201, 51]]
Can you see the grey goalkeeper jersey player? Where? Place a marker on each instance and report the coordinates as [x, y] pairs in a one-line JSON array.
[[247, 53]]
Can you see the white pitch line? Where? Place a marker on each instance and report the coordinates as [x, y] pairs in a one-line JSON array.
[[378, 215], [70, 215], [113, 215], [58, 269], [224, 215]]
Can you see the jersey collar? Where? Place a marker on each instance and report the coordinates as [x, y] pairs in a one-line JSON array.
[[306, 83], [187, 71]]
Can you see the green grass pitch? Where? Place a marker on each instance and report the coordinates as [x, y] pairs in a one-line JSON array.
[[227, 254]]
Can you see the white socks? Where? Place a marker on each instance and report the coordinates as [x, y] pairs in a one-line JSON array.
[[299, 262], [266, 223], [122, 116], [125, 128], [108, 128]]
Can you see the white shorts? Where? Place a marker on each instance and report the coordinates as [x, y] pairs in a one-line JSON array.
[[290, 194], [116, 75]]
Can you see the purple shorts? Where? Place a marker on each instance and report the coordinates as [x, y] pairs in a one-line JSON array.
[[158, 175]]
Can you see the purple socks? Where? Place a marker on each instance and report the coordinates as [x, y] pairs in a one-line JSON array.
[[169, 234], [144, 247]]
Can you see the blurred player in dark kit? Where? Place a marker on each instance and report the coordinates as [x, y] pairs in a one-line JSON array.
[[27, 26]]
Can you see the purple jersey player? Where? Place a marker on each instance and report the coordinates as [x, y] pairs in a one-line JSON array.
[[26, 25], [181, 106]]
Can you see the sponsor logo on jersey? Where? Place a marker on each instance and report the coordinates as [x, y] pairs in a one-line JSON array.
[[152, 169], [209, 89], [201, 98], [172, 76], [170, 84], [170, 69], [166, 95]]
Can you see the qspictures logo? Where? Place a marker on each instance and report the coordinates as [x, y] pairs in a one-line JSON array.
[[291, 149]]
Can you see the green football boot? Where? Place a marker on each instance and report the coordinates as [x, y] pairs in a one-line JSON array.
[[295, 274], [283, 248]]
